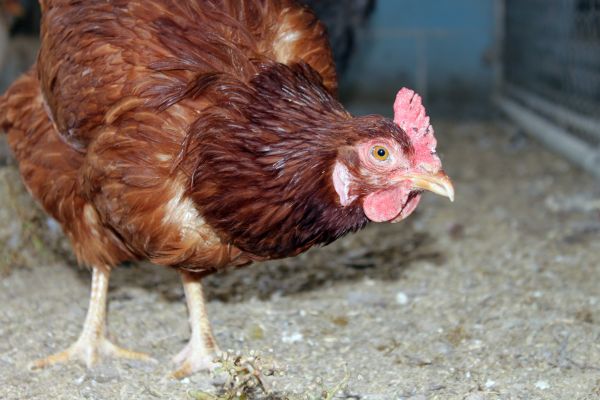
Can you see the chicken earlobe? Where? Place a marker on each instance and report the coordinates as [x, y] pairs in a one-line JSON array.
[[201, 350], [92, 343], [341, 183]]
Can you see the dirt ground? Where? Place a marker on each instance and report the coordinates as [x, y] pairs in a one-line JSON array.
[[494, 296]]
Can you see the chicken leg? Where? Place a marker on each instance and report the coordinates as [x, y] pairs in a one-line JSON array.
[[92, 343], [202, 348]]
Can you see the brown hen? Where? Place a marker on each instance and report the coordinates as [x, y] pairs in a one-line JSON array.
[[202, 134]]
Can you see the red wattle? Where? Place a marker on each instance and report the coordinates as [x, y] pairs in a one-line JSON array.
[[384, 205]]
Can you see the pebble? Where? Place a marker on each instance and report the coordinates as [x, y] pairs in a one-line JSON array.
[[365, 298], [53, 226], [489, 384], [475, 344], [80, 380], [374, 397], [401, 298], [542, 385], [292, 337], [103, 374], [475, 396]]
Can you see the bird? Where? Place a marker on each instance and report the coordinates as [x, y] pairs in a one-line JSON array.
[[200, 135]]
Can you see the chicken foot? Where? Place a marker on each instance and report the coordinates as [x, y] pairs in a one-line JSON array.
[[92, 343], [202, 348]]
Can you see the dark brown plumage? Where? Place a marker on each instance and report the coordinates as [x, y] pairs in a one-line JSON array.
[[200, 134]]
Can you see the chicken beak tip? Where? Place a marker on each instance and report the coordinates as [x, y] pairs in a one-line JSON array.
[[438, 183]]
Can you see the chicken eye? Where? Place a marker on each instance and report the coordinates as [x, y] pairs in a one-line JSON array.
[[380, 153]]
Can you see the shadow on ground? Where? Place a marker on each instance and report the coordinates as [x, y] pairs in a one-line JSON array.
[[381, 253]]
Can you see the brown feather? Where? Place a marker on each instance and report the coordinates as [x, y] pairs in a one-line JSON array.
[[195, 134], [262, 161]]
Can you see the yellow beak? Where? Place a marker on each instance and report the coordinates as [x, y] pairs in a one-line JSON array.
[[438, 183]]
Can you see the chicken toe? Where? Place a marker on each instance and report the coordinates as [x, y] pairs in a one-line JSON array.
[[92, 344], [89, 351], [194, 358], [200, 352]]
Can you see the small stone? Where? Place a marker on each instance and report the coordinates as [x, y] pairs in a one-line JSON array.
[[475, 344], [53, 226], [542, 385], [340, 320], [401, 298], [475, 396], [103, 374], [369, 282], [256, 332], [292, 337], [365, 299], [489, 384]]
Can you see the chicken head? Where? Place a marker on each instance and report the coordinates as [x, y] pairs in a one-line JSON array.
[[388, 173]]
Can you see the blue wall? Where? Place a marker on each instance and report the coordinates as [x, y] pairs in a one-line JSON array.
[[437, 47]]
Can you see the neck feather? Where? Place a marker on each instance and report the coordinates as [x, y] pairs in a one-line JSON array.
[[263, 162]]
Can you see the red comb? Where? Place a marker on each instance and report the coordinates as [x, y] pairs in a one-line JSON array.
[[410, 115]]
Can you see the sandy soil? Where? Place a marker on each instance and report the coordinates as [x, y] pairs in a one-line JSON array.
[[493, 297]]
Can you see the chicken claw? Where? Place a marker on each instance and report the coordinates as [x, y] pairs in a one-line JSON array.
[[200, 352], [92, 344], [193, 359], [89, 351]]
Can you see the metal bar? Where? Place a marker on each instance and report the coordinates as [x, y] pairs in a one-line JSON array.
[[499, 33], [588, 125], [554, 137]]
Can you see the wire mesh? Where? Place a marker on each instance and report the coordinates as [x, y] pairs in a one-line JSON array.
[[552, 49]]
